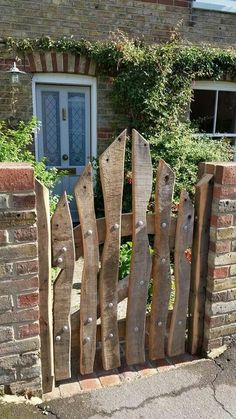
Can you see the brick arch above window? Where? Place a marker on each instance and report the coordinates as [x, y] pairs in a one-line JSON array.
[[60, 62]]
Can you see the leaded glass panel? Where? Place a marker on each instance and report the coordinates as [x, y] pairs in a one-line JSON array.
[[77, 128], [51, 128]]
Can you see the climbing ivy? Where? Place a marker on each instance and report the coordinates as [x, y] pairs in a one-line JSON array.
[[153, 87]]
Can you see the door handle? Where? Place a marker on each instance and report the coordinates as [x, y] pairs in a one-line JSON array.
[[65, 157], [63, 113]]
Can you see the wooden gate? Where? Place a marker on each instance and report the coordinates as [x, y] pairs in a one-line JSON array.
[[155, 335]]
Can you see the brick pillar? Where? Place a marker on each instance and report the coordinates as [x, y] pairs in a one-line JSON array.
[[220, 309], [20, 367]]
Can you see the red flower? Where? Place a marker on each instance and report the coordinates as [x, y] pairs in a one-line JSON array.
[[188, 254]]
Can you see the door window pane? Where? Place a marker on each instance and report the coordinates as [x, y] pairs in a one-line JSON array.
[[203, 109], [226, 114], [77, 128], [51, 128]]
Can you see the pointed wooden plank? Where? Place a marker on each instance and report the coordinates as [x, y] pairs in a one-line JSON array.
[[203, 202], [88, 301], [182, 271], [64, 257], [45, 297], [161, 261], [141, 259], [126, 230], [111, 165]]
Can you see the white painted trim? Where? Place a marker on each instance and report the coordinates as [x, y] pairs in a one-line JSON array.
[[70, 79], [224, 6], [214, 85]]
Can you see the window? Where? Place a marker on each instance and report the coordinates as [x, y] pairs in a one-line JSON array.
[[213, 108], [225, 6]]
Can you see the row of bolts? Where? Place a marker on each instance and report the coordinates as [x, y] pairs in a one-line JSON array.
[[110, 305]]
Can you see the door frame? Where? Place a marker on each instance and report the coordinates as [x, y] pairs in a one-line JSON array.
[[73, 80]]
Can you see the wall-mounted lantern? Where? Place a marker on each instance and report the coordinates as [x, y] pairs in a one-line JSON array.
[[15, 74]]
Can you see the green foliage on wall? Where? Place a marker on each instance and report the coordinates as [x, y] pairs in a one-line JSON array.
[[14, 147], [153, 87]]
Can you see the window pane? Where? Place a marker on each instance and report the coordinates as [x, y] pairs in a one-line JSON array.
[[226, 114], [51, 128], [202, 110], [77, 128]]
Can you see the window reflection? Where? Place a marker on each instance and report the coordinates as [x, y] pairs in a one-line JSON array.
[[203, 110], [226, 114]]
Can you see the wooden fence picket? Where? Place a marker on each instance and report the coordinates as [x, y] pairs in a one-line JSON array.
[[111, 165], [88, 302], [141, 259], [63, 253], [161, 261], [45, 294], [203, 202], [182, 271]]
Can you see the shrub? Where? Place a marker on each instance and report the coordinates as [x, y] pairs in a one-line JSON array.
[[15, 147]]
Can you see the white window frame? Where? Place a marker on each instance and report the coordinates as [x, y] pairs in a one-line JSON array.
[[224, 6], [215, 86], [73, 80]]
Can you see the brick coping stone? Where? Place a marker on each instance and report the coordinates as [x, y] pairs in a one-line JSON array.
[[118, 376]]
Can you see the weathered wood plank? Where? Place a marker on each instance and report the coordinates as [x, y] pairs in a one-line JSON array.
[[45, 294], [141, 259], [161, 261], [88, 302], [182, 270], [126, 230], [75, 319], [63, 253], [203, 202], [111, 164]]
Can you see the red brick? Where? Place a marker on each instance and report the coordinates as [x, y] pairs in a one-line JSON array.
[[224, 192], [109, 379], [222, 220], [90, 382], [215, 321], [69, 389], [16, 177], [19, 316], [25, 234], [127, 373], [212, 344], [221, 246], [28, 330], [226, 173], [23, 268], [208, 167], [146, 369], [215, 297], [23, 202], [219, 272], [28, 300], [17, 285]]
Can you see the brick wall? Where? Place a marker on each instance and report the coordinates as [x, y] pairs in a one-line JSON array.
[[220, 314], [152, 20], [19, 295]]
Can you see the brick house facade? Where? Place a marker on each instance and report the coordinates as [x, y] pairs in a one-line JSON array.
[[151, 20]]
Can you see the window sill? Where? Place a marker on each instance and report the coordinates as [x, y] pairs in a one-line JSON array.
[[226, 6]]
